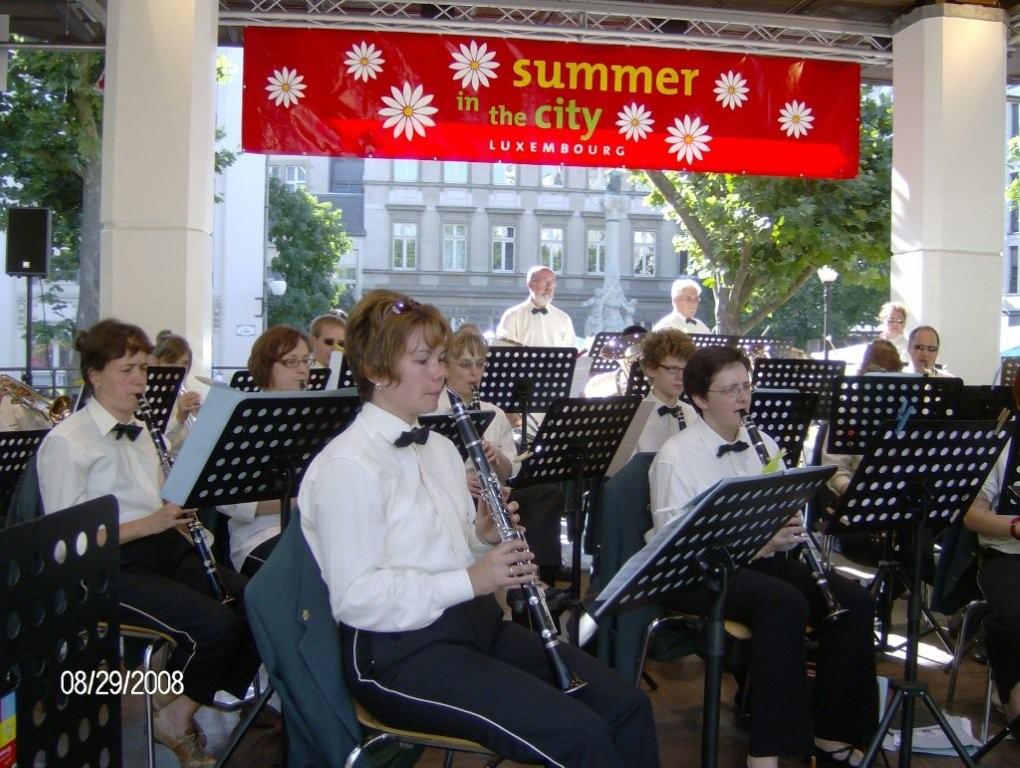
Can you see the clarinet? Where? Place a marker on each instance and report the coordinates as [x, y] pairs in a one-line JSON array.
[[567, 681], [811, 553], [212, 575]]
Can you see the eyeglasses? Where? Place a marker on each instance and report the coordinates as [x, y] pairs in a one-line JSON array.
[[735, 390], [297, 362], [895, 321], [673, 370], [467, 365], [329, 342], [923, 348]]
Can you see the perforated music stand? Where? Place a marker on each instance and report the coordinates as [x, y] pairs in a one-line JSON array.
[[861, 405], [162, 383], [244, 381], [922, 477], [753, 346], [16, 450], [445, 425], [637, 382], [345, 378], [721, 531], [1008, 369], [576, 442], [802, 375], [784, 415], [59, 606], [524, 379], [254, 446]]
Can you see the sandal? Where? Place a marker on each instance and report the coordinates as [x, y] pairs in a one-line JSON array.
[[188, 747], [839, 758]]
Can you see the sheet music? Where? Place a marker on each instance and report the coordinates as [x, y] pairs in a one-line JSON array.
[[630, 438], [336, 359], [582, 370]]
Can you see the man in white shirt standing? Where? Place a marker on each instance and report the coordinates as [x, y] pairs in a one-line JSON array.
[[536, 322], [686, 295]]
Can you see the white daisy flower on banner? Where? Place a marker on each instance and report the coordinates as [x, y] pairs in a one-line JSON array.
[[795, 119], [635, 121], [364, 61], [407, 111], [474, 65], [285, 87], [731, 90], [688, 138]]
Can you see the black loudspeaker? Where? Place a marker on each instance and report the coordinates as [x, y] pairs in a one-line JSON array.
[[28, 241]]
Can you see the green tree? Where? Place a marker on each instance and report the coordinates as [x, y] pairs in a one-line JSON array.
[[757, 240], [310, 239]]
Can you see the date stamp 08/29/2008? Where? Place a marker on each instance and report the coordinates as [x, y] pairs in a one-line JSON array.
[[100, 682]]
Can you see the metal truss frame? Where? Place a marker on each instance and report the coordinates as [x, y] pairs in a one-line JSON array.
[[594, 21]]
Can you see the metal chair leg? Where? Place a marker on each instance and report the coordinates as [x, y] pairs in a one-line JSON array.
[[150, 736], [988, 703]]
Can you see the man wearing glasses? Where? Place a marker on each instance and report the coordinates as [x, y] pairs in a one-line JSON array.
[[686, 296], [328, 332], [535, 322], [664, 355], [923, 350]]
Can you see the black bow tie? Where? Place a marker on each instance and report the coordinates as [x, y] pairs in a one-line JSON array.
[[691, 321], [414, 435], [130, 430], [675, 412], [736, 447], [540, 310]]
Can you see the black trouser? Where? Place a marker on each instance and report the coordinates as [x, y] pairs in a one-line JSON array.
[[999, 577], [472, 675], [163, 586], [777, 599], [258, 556], [541, 507]]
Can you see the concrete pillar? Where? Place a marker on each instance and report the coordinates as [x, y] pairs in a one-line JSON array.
[[949, 80], [158, 143]]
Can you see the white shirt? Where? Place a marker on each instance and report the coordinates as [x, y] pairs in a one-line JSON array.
[[392, 529], [82, 459], [991, 490], [499, 432], [659, 428], [675, 320], [687, 464], [552, 329], [248, 530]]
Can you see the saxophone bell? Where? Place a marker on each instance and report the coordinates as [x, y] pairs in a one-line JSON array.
[[54, 411]]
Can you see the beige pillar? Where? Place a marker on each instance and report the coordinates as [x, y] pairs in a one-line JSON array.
[[158, 143], [949, 80]]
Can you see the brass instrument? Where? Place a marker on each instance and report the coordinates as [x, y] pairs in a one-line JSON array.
[[626, 351], [55, 410], [812, 556], [506, 341]]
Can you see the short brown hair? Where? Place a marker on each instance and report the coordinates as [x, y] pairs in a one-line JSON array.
[[108, 340], [378, 330], [881, 355], [468, 338], [170, 346], [703, 366], [268, 348], [669, 342]]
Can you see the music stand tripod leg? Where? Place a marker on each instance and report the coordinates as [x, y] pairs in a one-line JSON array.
[[1012, 727], [716, 568]]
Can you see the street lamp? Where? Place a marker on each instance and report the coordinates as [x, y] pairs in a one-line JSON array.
[[827, 275]]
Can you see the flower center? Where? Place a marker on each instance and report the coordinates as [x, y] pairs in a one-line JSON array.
[[795, 119], [408, 111], [475, 65], [688, 139], [285, 87], [363, 61], [634, 122], [731, 90]]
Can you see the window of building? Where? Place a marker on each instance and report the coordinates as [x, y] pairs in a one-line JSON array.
[[1014, 213], [644, 253], [405, 170], [598, 178], [455, 172], [596, 250], [294, 177], [550, 253], [503, 242], [552, 176], [504, 174], [1014, 265], [455, 247], [405, 245]]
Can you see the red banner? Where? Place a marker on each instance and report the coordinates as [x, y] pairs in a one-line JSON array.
[[393, 94]]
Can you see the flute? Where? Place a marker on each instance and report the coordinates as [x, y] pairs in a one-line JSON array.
[[811, 553], [567, 681]]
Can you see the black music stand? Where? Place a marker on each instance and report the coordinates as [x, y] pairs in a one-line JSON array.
[[1008, 370], [785, 416], [254, 446], [16, 450], [162, 383], [576, 442], [244, 381], [753, 346], [345, 378], [637, 382], [446, 425], [982, 402], [922, 477], [526, 379], [861, 405], [59, 606], [721, 531], [802, 375]]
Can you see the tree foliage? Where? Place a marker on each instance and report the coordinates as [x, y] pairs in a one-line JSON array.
[[757, 240], [310, 239]]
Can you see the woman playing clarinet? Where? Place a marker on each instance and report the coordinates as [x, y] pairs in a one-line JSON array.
[[412, 569], [103, 449]]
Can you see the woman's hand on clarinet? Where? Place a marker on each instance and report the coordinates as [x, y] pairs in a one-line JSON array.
[[189, 403], [166, 517], [505, 565]]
